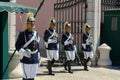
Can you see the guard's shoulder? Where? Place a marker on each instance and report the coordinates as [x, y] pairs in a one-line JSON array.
[[37, 34], [84, 34], [21, 33], [47, 31], [63, 35]]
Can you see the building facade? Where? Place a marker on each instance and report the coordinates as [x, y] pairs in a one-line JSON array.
[[77, 12]]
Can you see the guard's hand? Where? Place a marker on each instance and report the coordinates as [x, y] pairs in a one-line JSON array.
[[25, 53], [71, 42], [84, 46], [46, 45], [28, 54], [68, 42], [52, 41]]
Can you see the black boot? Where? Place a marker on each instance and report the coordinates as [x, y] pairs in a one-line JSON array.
[[65, 65], [88, 59], [25, 79], [69, 67], [53, 61], [85, 65], [49, 67], [31, 79]]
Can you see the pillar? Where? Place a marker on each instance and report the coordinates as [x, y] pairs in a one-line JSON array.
[[93, 18], [12, 29]]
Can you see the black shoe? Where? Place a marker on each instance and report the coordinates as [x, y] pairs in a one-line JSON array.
[[51, 73], [65, 68], [86, 69], [70, 71]]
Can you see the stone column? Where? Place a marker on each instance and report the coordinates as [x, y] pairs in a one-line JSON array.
[[12, 29], [93, 19]]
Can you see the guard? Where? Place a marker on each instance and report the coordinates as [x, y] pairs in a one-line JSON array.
[[28, 46], [87, 46], [68, 43], [52, 46]]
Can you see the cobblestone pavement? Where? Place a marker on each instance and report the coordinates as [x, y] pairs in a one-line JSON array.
[[94, 73]]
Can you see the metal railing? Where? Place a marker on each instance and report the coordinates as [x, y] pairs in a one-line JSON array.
[[72, 11]]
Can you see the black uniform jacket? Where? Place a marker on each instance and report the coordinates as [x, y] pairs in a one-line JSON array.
[[22, 39], [47, 34], [69, 47]]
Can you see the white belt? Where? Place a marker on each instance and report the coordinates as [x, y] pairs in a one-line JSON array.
[[33, 52]]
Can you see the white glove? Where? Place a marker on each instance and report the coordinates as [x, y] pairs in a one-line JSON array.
[[71, 42], [25, 53], [84, 46], [75, 48], [39, 58], [46, 45], [52, 41], [58, 46], [68, 42], [89, 41]]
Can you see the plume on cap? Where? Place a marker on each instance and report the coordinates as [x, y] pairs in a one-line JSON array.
[[67, 24], [30, 17], [52, 20], [87, 25]]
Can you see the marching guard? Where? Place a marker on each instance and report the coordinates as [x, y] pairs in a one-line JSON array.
[[27, 44], [52, 46], [87, 46], [67, 41]]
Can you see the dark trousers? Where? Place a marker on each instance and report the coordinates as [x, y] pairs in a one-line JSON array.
[[50, 64], [85, 63], [67, 65]]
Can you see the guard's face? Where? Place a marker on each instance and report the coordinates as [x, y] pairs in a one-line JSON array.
[[30, 25], [87, 30], [67, 29], [52, 26]]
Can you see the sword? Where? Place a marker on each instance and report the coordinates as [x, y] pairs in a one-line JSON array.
[[77, 54]]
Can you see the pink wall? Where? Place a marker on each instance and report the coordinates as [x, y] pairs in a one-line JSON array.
[[43, 16]]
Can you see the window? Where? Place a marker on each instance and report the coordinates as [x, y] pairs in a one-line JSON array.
[[114, 24]]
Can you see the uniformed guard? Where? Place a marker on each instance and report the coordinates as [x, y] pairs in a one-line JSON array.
[[67, 41], [28, 46], [87, 46], [51, 42]]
